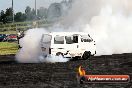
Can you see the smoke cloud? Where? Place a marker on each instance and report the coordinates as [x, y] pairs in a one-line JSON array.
[[107, 21], [31, 49]]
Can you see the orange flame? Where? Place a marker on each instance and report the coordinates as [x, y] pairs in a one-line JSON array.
[[81, 71]]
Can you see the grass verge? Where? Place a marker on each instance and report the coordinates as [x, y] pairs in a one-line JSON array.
[[7, 48], [8, 32]]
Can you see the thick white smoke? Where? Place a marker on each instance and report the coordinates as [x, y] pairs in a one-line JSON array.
[[108, 21], [31, 49]]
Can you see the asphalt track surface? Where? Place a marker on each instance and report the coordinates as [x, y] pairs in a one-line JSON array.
[[63, 75]]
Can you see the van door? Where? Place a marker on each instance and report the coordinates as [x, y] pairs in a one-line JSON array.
[[58, 45], [72, 44], [87, 43], [46, 44]]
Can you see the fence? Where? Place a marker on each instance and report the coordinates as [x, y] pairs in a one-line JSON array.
[[24, 25]]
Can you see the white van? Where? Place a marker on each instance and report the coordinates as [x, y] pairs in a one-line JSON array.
[[68, 44]]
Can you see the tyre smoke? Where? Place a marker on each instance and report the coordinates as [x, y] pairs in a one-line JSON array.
[[31, 49], [109, 22]]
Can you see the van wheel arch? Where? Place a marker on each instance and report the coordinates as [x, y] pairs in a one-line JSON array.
[[59, 53], [86, 55]]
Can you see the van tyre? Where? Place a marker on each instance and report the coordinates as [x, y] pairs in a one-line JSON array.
[[59, 53], [86, 55]]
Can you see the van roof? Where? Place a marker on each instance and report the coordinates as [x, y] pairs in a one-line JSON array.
[[68, 33]]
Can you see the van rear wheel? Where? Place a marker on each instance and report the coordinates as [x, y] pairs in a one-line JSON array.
[[86, 55], [59, 53]]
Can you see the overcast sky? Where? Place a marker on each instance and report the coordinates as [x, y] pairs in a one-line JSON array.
[[20, 5]]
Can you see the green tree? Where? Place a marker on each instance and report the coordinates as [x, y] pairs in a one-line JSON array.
[[33, 14], [28, 13], [20, 17], [9, 13], [2, 16], [42, 13]]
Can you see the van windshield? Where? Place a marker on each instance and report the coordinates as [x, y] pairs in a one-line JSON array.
[[71, 39], [46, 38], [86, 38], [59, 40]]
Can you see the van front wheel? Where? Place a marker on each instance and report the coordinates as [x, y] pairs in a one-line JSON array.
[[86, 55]]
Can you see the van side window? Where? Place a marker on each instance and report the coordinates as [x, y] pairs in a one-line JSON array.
[[59, 40], [71, 39], [86, 38], [75, 39]]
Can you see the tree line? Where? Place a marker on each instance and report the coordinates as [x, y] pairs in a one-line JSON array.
[[29, 15], [52, 13]]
